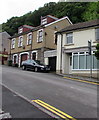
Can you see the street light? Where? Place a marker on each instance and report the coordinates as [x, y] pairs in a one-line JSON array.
[[89, 51]]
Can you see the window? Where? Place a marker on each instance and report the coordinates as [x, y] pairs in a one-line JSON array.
[[34, 55], [13, 43], [40, 36], [20, 30], [44, 21], [82, 61], [69, 38], [20, 42], [87, 61], [75, 62], [95, 62], [97, 34], [29, 39]]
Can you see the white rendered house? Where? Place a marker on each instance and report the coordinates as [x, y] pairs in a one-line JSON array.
[[72, 49]]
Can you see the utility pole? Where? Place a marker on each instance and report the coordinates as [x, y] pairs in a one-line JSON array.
[[89, 50]]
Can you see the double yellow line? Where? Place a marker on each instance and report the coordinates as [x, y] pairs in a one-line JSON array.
[[54, 110], [81, 80]]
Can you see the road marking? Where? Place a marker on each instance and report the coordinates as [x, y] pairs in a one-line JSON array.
[[54, 110], [81, 80]]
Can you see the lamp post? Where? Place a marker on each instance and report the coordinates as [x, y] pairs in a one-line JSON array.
[[90, 53]]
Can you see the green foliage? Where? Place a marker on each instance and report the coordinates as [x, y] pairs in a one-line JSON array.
[[97, 52], [92, 11], [77, 12]]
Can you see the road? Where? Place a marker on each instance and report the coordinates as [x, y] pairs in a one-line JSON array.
[[77, 99]]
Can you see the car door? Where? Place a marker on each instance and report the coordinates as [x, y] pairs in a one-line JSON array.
[[31, 65], [28, 65]]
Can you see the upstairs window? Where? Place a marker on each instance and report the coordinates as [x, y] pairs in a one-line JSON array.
[[20, 42], [69, 38], [97, 34], [40, 35], [20, 30], [29, 39], [44, 21], [13, 43]]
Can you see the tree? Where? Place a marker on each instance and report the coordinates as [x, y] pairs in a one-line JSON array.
[[92, 11], [97, 52]]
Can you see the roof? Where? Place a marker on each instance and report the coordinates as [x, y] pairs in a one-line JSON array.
[[27, 26], [42, 26], [78, 26], [4, 33], [58, 21], [55, 18]]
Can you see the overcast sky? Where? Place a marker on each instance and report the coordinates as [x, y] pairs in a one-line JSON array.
[[10, 8]]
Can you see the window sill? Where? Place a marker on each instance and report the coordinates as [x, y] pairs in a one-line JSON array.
[[20, 47], [12, 48], [28, 44], [39, 42], [69, 44], [97, 41]]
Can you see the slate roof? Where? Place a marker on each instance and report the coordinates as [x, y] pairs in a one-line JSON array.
[[82, 25]]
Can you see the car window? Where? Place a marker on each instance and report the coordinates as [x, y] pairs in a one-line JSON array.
[[28, 61]]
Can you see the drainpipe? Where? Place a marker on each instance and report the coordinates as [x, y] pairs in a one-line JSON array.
[[61, 53], [10, 49], [30, 52], [61, 50]]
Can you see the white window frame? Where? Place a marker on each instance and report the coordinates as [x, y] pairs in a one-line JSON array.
[[34, 52], [20, 30], [39, 38], [68, 35], [20, 41], [29, 39], [85, 54], [16, 58], [43, 21], [13, 43]]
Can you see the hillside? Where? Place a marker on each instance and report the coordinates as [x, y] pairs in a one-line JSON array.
[[77, 12]]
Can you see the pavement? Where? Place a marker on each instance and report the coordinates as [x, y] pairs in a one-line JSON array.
[[16, 107], [91, 79]]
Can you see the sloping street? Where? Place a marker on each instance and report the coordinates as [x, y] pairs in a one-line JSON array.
[[76, 99]]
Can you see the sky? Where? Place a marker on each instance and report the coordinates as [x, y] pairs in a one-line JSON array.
[[12, 8]]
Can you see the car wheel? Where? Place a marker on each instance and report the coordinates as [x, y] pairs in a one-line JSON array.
[[36, 69], [23, 67]]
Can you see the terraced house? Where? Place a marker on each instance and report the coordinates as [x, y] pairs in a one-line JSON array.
[[33, 42], [72, 49]]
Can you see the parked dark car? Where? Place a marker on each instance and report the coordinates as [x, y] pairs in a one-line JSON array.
[[34, 65]]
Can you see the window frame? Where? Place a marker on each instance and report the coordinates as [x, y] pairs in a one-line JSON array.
[[69, 35], [85, 54], [39, 37], [29, 39], [20, 41], [13, 43]]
